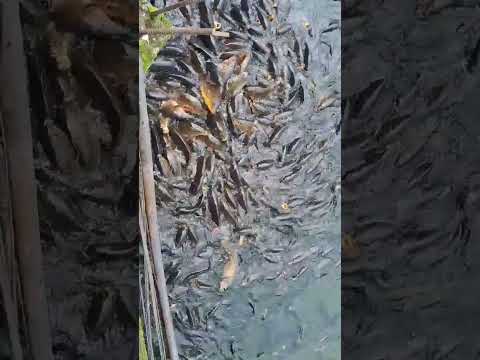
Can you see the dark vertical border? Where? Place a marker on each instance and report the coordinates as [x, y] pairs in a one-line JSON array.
[[69, 243], [410, 182]]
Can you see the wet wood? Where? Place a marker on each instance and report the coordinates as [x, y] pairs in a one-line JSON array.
[[184, 31]]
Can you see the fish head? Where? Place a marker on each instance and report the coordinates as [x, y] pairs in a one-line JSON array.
[[224, 285]]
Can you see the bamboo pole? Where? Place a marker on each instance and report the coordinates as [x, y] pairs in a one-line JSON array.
[[18, 136], [149, 282], [146, 162], [184, 30]]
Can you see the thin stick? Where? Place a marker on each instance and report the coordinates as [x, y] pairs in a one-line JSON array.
[[184, 30], [18, 135], [175, 6], [145, 148], [149, 282]]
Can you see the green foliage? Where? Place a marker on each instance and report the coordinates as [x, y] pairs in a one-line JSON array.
[[150, 45]]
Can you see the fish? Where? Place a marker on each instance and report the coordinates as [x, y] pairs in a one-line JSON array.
[[205, 17], [180, 235], [185, 67], [272, 67], [182, 79], [213, 206], [296, 50], [211, 93], [295, 95], [284, 29], [291, 75], [324, 102], [255, 92], [259, 47], [306, 56], [273, 50], [265, 164], [176, 161], [216, 124], [171, 51], [266, 6], [196, 274], [235, 175], [171, 108], [191, 209], [164, 67], [245, 127], [241, 198], [238, 35], [225, 55], [234, 46], [291, 146], [235, 85], [230, 198], [220, 5], [186, 13], [244, 59], [237, 16], [198, 64], [212, 73], [165, 167], [262, 17], [227, 67], [207, 54], [230, 268], [255, 30], [181, 144], [277, 131], [228, 213], [190, 104], [245, 8]]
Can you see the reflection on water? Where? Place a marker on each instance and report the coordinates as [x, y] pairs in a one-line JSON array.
[[285, 300]]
